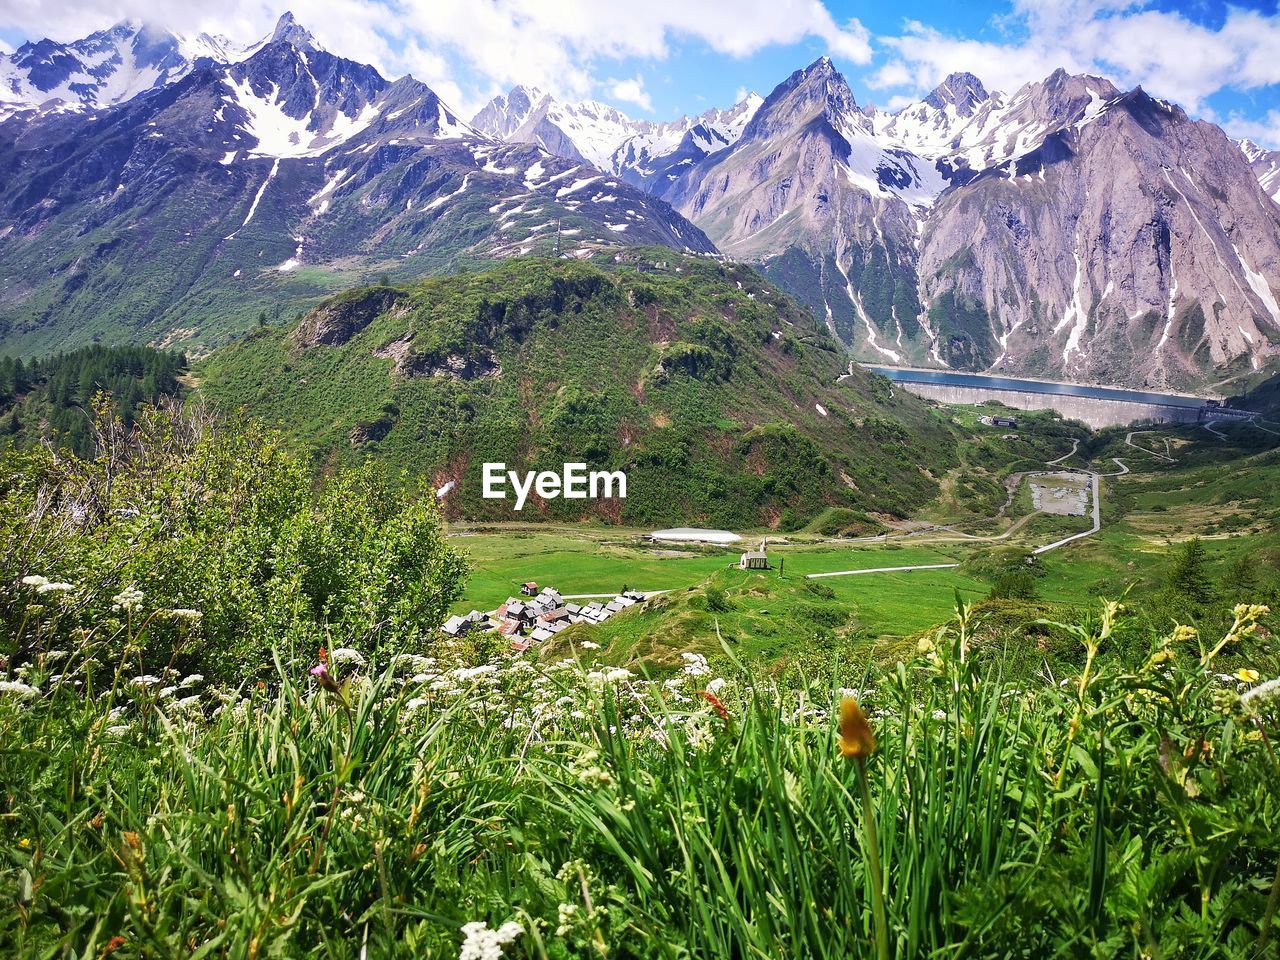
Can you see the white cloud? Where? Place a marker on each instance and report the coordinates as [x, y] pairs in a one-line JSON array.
[[630, 91], [1264, 132], [558, 45], [1168, 54]]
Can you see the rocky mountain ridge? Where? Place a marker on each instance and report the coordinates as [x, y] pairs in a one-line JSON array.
[[177, 216], [1067, 229]]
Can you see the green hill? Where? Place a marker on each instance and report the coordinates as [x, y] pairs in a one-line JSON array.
[[722, 399]]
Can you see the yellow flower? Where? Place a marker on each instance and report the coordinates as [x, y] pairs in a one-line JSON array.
[[1247, 675], [857, 742]]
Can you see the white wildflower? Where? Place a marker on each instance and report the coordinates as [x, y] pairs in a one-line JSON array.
[[695, 665], [473, 673], [187, 703], [481, 943], [412, 663], [589, 645], [1262, 692], [49, 587], [344, 655], [18, 689], [716, 685], [145, 681], [415, 704], [567, 913], [117, 731], [168, 692], [191, 680], [129, 599], [183, 613], [34, 581]]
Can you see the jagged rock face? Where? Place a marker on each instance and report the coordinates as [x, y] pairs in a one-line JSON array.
[[176, 217], [1130, 246], [809, 190], [1068, 229], [337, 321]]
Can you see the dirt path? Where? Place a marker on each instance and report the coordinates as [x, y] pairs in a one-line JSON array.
[[855, 573], [1159, 456]]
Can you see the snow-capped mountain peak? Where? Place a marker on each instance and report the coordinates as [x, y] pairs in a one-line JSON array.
[[1265, 164], [289, 31], [588, 131], [294, 99], [107, 67], [963, 91]]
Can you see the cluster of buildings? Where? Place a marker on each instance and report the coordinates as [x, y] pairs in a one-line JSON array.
[[537, 615]]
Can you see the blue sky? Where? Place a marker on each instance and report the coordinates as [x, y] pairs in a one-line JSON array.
[[664, 57]]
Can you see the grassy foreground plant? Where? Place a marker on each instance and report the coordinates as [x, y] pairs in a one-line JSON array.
[[427, 807]]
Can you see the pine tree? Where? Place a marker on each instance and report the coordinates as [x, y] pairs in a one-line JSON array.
[[1189, 578]]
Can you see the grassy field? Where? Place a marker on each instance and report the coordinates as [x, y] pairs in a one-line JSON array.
[[771, 615]]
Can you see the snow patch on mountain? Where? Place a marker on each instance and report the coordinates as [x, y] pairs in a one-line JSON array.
[[280, 135]]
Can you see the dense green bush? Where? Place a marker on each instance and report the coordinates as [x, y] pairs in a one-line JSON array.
[[221, 544]]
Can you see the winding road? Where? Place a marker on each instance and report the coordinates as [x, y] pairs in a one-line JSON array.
[[1096, 495]]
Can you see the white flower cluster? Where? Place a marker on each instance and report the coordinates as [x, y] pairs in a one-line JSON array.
[[695, 665], [481, 943], [1262, 693], [45, 585], [129, 600], [611, 675], [344, 656], [18, 689]]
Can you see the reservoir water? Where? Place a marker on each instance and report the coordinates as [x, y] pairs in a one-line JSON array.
[[981, 381]]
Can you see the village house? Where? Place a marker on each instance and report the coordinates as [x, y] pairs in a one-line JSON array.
[[538, 617]]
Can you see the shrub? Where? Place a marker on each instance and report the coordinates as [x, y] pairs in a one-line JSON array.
[[717, 602], [191, 516]]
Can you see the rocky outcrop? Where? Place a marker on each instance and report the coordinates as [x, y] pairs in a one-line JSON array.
[[336, 321]]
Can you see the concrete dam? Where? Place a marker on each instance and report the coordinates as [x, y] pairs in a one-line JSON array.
[[1096, 406]]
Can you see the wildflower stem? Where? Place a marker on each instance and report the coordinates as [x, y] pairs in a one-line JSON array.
[[1273, 901], [873, 860]]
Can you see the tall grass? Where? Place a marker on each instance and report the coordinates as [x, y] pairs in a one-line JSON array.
[[1122, 813]]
